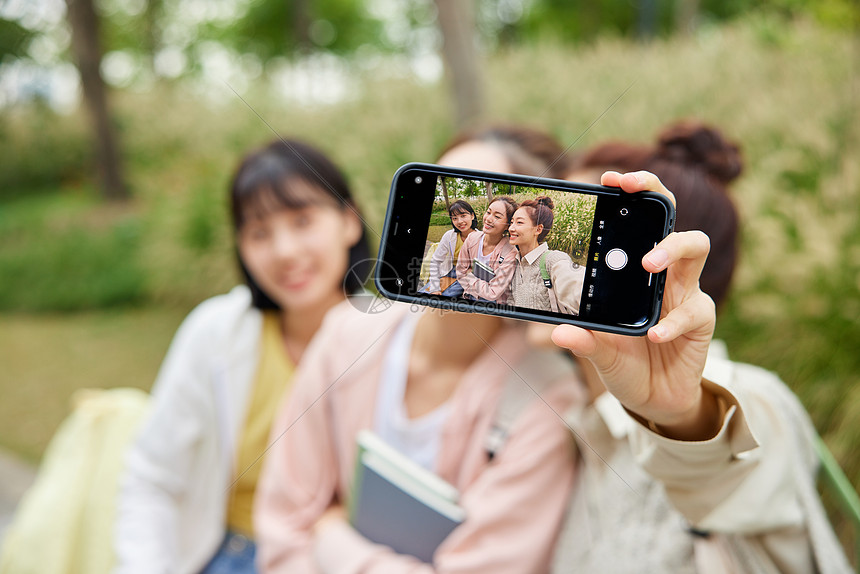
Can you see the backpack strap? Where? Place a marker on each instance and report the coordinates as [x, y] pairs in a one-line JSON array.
[[544, 272], [528, 379], [547, 281]]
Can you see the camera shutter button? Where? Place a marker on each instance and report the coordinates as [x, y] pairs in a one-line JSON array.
[[616, 259]]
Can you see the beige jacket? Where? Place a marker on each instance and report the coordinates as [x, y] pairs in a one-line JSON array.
[[638, 493], [528, 289]]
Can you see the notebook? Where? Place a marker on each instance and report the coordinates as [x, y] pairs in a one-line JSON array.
[[483, 271], [398, 503]]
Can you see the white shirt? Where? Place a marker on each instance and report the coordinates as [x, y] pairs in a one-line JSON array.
[[485, 259], [416, 438]]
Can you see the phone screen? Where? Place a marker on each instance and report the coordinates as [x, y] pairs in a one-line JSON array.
[[524, 247]]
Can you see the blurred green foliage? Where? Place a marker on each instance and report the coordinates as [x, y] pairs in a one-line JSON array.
[[270, 29], [40, 150], [67, 256], [14, 39], [784, 89]]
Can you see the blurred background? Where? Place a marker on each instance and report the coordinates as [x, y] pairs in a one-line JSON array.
[[121, 122]]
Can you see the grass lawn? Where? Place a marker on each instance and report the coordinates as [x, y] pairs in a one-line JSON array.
[[436, 232], [46, 358]]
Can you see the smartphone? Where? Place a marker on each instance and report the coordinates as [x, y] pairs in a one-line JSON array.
[[587, 270]]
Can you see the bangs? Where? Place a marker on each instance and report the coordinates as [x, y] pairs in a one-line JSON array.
[[273, 195], [459, 210]]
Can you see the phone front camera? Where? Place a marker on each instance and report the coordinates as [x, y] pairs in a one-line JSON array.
[[623, 212], [418, 179]]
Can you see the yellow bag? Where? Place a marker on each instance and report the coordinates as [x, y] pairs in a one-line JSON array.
[[424, 275], [65, 522]]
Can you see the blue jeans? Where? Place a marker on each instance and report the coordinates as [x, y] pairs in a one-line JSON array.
[[234, 556], [453, 290], [481, 299]]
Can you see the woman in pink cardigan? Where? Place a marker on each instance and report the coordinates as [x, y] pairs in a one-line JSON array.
[[430, 385], [490, 249]]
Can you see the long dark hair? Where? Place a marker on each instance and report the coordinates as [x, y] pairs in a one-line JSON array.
[[291, 174]]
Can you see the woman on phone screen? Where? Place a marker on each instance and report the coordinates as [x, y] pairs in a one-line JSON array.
[[544, 278], [487, 260], [186, 498], [443, 272]]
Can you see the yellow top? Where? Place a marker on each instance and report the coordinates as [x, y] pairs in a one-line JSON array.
[[457, 248], [274, 375]]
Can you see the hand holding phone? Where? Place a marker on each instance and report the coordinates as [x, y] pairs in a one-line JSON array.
[[659, 377]]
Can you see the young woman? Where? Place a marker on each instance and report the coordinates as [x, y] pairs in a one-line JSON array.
[[529, 228], [443, 272], [430, 384], [502, 148], [688, 462], [487, 260], [191, 477]]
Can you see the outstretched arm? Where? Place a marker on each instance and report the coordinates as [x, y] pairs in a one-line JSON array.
[[659, 377]]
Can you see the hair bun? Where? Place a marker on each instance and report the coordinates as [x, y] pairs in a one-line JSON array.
[[545, 200], [695, 143]]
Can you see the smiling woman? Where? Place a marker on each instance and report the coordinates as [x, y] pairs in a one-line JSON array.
[[186, 498]]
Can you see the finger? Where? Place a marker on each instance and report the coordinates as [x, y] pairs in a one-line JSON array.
[[694, 316], [636, 181], [579, 341], [689, 245]]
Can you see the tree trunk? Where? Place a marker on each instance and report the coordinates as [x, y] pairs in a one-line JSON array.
[[489, 193], [152, 32], [301, 24], [85, 46], [647, 22], [445, 194], [457, 24], [686, 16]]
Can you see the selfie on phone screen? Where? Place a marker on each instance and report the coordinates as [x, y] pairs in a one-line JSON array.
[[537, 261], [531, 248]]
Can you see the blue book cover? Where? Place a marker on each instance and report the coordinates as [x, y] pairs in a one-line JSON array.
[[398, 503]]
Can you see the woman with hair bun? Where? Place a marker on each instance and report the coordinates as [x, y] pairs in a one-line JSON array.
[[544, 279], [697, 162]]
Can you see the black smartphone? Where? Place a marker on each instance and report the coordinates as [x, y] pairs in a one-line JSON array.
[[537, 249]]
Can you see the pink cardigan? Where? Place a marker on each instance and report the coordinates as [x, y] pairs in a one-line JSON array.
[[499, 289], [515, 504]]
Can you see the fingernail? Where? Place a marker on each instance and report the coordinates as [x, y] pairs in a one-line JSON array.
[[658, 258], [641, 179], [659, 330]]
